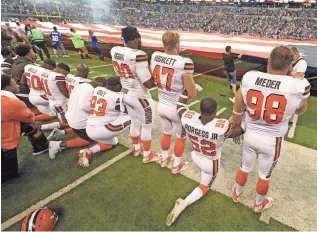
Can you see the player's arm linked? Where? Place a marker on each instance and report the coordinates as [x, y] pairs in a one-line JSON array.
[[62, 88], [189, 85], [181, 104], [238, 108]]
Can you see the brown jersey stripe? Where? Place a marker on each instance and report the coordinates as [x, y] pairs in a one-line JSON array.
[[111, 127], [278, 148], [44, 97], [215, 167], [307, 90], [60, 78], [144, 103], [141, 58]]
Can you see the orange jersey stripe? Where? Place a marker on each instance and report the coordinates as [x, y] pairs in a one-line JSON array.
[[229, 131], [114, 128], [278, 148]]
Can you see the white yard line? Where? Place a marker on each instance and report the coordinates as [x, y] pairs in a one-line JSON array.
[[193, 103], [62, 191], [291, 131], [98, 66], [221, 111]]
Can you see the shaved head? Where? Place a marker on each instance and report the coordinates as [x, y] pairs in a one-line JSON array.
[[208, 105], [82, 71]]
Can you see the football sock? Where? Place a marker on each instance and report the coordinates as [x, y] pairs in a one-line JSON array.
[[136, 142], [196, 194], [69, 131], [50, 126], [100, 147], [43, 117], [81, 55], [177, 161], [165, 145], [55, 51], [179, 148], [241, 180], [262, 187], [146, 147], [78, 142]]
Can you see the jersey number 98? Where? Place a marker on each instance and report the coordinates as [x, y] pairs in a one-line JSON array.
[[274, 107]]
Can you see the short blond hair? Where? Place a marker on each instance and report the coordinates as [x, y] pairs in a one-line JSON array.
[[170, 39], [294, 50]]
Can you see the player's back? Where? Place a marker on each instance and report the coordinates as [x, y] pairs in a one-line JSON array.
[[103, 107], [33, 74], [125, 61], [271, 100], [50, 87], [56, 36], [72, 81], [206, 139], [167, 71]]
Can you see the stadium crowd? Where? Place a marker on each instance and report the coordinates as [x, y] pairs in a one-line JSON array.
[[292, 23]]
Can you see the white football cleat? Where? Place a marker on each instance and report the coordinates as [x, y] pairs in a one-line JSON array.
[[232, 99], [151, 158], [56, 135], [181, 167], [165, 162], [178, 208], [84, 156], [267, 203], [54, 148]]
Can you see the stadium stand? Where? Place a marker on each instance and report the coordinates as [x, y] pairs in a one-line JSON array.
[[277, 23]]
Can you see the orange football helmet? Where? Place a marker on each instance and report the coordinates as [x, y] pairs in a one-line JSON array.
[[42, 219]]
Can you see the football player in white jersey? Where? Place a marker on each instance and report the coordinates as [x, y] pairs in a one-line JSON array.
[[54, 86], [32, 76], [207, 135], [270, 100], [172, 74], [131, 65], [71, 82], [77, 115], [106, 121]]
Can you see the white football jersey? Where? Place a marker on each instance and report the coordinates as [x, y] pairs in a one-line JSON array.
[[131, 66], [206, 139], [33, 74], [49, 84], [79, 106], [167, 71], [72, 81], [300, 66], [102, 109], [271, 100]]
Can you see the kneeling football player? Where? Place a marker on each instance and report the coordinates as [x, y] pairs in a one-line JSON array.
[[207, 135], [106, 121], [77, 116]]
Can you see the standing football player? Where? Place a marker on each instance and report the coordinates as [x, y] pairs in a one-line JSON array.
[[172, 74], [131, 65], [207, 135], [57, 43], [270, 100]]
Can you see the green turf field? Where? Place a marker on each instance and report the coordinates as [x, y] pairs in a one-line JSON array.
[[129, 195]]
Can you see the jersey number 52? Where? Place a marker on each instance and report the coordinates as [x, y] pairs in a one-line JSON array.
[[274, 107]]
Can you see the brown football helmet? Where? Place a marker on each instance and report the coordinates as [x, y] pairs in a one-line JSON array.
[[42, 219]]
